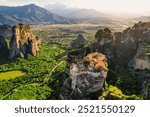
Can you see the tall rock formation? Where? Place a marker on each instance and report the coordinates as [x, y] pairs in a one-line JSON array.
[[23, 42], [137, 43], [86, 76], [133, 45], [78, 42], [129, 49], [3, 48], [105, 41], [5, 30]]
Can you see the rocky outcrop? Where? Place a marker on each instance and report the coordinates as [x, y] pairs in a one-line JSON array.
[[78, 42], [86, 76], [129, 49], [141, 35], [143, 77], [105, 43], [133, 43], [133, 46], [23, 42], [140, 62], [5, 34], [3, 48], [104, 37], [5, 31]]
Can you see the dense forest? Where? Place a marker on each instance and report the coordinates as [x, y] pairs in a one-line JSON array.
[[37, 80]]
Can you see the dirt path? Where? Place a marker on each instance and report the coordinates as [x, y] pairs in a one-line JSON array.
[[55, 68]]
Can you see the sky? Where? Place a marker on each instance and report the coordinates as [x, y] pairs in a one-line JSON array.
[[128, 6]]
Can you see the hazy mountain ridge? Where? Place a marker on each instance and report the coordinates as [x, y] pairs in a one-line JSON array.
[[30, 14], [75, 13], [83, 15], [142, 18]]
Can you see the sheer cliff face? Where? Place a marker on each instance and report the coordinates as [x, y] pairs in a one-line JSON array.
[[140, 62], [134, 46], [141, 34], [87, 71], [5, 31], [128, 49], [86, 75], [23, 42], [3, 48], [105, 41], [132, 50]]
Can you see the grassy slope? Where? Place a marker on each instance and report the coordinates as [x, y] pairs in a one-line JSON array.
[[11, 75]]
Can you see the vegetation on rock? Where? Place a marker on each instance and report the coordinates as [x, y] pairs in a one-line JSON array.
[[97, 60]]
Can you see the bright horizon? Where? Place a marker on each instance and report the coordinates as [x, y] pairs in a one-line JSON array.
[[127, 6]]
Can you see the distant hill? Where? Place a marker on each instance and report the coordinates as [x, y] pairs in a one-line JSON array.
[[87, 14], [75, 13], [142, 18], [31, 14], [79, 15]]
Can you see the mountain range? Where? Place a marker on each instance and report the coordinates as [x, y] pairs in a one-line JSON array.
[[76, 13], [142, 18], [31, 14], [52, 14], [81, 15], [94, 16], [61, 14]]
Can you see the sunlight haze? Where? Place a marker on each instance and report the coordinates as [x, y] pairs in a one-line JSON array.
[[128, 6]]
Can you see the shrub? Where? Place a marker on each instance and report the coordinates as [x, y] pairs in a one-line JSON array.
[[86, 62]]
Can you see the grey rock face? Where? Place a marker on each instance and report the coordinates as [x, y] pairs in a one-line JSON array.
[[3, 43], [5, 31], [133, 51], [83, 80], [143, 77], [134, 46], [83, 83], [23, 42], [3, 47], [78, 42], [105, 43]]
